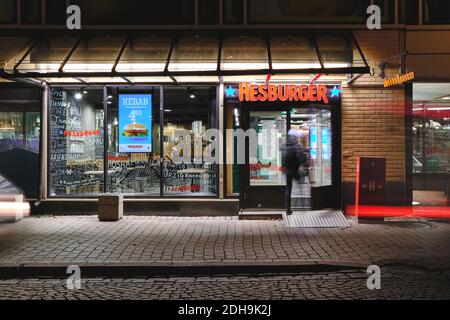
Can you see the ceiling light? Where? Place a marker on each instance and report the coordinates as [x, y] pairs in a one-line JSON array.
[[78, 96], [192, 96], [439, 109], [85, 92]]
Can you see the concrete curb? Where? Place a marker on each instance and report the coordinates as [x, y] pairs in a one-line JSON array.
[[132, 271], [121, 270]]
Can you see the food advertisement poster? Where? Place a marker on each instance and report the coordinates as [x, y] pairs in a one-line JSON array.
[[135, 122]]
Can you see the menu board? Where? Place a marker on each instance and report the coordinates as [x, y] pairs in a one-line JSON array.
[[135, 123]]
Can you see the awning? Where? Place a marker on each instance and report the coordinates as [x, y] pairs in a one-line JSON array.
[[140, 59]]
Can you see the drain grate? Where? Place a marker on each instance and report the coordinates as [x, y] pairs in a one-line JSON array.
[[316, 219]]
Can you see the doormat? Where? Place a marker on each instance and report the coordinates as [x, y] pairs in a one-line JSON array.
[[316, 219]]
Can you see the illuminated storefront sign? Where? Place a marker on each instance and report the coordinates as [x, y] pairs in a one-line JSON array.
[[286, 92], [399, 79], [135, 123]]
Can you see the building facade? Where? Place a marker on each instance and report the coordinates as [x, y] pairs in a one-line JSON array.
[[66, 98]]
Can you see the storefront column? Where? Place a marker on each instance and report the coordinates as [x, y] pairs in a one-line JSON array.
[[221, 139], [44, 141]]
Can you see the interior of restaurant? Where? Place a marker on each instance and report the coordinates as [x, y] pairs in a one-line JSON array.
[[431, 143]]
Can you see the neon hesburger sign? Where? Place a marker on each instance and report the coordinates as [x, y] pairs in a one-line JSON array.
[[283, 92]]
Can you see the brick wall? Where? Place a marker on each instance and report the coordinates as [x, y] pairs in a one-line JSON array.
[[373, 117]]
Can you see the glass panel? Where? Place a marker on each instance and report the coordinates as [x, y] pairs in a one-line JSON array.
[[153, 80], [76, 142], [33, 130], [306, 11], [409, 11], [337, 50], [232, 123], [11, 131], [31, 11], [60, 80], [95, 54], [8, 11], [189, 112], [48, 54], [293, 52], [136, 12], [11, 49], [243, 53], [233, 11], [104, 80], [195, 53], [209, 11], [431, 142], [437, 11], [271, 135], [316, 138], [145, 54], [55, 12], [132, 172]]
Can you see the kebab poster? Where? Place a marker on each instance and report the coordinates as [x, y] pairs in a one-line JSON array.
[[135, 122]]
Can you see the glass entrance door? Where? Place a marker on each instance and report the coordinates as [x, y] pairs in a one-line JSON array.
[[316, 138], [263, 178]]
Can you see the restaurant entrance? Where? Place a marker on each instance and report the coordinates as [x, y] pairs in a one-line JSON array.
[[263, 179]]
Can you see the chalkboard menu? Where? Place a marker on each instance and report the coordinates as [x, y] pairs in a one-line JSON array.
[[76, 146], [58, 144]]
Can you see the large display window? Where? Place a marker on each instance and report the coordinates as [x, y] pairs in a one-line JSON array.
[[124, 140], [76, 164], [134, 172], [192, 111]]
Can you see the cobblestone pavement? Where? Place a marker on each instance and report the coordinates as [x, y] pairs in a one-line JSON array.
[[340, 285], [168, 241]]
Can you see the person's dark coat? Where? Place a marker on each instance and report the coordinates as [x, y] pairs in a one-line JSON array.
[[293, 156]]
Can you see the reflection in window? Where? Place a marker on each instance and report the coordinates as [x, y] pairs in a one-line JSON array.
[[431, 139], [11, 131], [32, 131], [437, 11], [76, 142], [270, 127], [128, 172], [192, 110]]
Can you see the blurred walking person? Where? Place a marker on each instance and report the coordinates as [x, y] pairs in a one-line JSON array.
[[293, 158]]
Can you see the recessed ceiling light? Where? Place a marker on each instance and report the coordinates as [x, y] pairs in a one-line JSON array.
[[192, 96], [78, 96]]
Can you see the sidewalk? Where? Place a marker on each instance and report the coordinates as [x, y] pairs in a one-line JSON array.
[[174, 241]]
